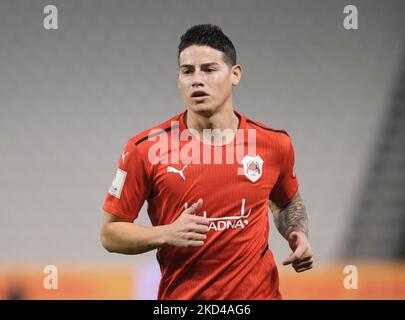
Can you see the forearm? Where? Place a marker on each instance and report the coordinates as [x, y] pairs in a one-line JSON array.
[[129, 238], [292, 217]]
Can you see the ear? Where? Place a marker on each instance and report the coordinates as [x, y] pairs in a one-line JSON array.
[[236, 74]]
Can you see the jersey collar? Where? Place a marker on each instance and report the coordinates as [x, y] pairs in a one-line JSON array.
[[242, 120]]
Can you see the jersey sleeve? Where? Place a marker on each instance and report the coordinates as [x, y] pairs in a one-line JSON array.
[[130, 187], [287, 185]]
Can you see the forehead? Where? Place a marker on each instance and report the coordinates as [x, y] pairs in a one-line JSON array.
[[196, 55]]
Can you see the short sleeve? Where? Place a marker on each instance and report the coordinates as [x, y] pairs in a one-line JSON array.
[[287, 185], [130, 187]]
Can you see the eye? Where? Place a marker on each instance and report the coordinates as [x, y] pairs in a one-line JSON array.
[[186, 71], [210, 70]]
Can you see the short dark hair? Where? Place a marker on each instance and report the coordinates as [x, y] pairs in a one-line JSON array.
[[211, 36]]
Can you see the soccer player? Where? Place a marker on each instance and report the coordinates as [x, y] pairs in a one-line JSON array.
[[209, 213]]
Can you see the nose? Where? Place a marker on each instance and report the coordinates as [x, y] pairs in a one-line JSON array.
[[197, 79]]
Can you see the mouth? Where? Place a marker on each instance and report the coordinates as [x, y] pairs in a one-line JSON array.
[[199, 95]]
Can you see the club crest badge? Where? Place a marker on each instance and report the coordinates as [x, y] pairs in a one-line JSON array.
[[253, 167]]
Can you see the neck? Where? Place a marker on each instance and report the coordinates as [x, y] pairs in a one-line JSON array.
[[222, 125]]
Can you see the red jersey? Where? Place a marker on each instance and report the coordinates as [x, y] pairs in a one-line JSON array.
[[235, 261]]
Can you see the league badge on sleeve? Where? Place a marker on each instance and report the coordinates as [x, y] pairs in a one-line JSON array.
[[252, 167], [118, 183]]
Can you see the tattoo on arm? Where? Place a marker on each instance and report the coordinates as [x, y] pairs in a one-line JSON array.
[[292, 217]]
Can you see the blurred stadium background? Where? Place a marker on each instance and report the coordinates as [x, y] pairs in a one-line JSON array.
[[70, 99]]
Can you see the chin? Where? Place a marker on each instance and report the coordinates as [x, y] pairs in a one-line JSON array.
[[205, 110]]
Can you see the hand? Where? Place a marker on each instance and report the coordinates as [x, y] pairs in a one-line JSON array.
[[189, 230], [302, 256]]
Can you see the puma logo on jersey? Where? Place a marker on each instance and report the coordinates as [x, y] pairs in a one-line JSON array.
[[180, 172]]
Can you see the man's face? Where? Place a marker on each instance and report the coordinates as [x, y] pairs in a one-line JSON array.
[[205, 81]]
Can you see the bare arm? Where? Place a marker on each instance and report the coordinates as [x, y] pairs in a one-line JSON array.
[[189, 230], [292, 217], [292, 223], [129, 238]]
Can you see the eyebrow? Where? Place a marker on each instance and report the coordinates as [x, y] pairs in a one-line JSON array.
[[203, 65]]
